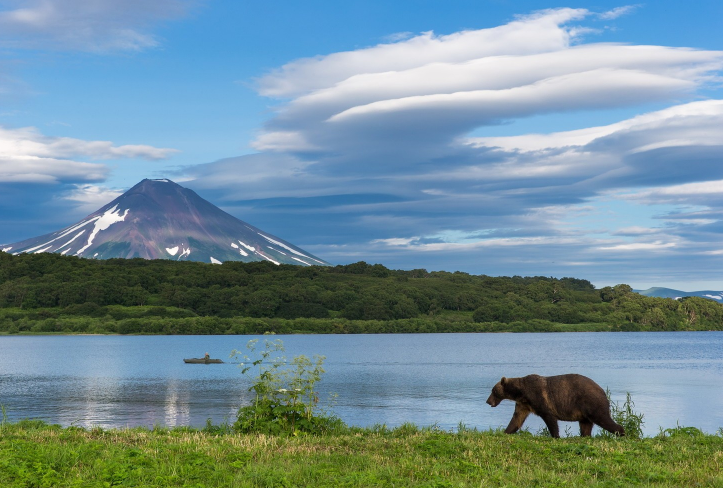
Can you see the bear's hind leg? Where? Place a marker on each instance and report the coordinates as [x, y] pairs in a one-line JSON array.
[[611, 426], [518, 418], [607, 423], [585, 428]]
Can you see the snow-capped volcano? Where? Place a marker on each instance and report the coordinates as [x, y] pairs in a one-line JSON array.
[[159, 219]]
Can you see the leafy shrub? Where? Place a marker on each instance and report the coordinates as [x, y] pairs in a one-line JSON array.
[[285, 400], [624, 415], [679, 431]]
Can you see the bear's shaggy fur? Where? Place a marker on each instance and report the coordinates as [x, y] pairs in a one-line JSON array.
[[568, 397]]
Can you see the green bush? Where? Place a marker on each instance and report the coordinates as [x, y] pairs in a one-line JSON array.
[[624, 415], [679, 431], [285, 400]]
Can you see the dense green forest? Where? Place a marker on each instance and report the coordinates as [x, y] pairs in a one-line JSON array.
[[46, 293]]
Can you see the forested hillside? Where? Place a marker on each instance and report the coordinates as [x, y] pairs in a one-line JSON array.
[[52, 293]]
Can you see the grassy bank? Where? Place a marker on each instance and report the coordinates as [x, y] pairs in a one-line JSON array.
[[35, 454]]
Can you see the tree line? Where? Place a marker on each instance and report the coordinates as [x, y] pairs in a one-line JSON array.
[[54, 293]]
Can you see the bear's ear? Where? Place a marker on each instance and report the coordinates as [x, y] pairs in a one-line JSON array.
[[503, 381]]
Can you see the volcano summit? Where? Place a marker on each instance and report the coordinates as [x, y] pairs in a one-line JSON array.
[[159, 219]]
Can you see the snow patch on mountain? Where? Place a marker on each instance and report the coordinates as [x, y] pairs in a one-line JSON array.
[[6, 249], [288, 248], [74, 238], [42, 250], [172, 250], [714, 297], [267, 258], [250, 248], [184, 253], [68, 231], [215, 261], [276, 250], [240, 251], [299, 260], [109, 218]]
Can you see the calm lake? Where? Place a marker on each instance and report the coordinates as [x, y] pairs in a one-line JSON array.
[[443, 379]]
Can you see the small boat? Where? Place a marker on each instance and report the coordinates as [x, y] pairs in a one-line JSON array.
[[202, 361]]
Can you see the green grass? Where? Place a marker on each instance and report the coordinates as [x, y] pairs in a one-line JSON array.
[[35, 454]]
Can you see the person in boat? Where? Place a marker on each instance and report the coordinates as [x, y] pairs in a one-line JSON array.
[[206, 357]]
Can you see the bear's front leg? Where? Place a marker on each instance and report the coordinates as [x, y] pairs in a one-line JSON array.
[[518, 418], [551, 423]]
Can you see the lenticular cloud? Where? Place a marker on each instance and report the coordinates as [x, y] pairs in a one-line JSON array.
[[532, 34], [401, 125], [429, 90]]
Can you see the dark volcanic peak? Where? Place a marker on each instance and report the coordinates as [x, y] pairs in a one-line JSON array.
[[159, 219]]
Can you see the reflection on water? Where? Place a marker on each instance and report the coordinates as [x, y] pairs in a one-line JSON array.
[[441, 379]]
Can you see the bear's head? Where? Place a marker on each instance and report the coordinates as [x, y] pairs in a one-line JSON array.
[[499, 392]]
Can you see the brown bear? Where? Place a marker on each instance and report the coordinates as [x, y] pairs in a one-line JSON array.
[[568, 397]]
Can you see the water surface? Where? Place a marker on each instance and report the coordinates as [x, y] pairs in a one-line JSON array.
[[443, 379]]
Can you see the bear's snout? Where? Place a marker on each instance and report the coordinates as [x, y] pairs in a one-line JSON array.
[[492, 401]]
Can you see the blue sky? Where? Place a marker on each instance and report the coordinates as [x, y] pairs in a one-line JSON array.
[[493, 137]]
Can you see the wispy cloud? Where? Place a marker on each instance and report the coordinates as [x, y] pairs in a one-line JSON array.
[[95, 26], [398, 36], [640, 246], [617, 12], [89, 198]]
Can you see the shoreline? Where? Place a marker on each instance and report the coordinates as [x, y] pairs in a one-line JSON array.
[[61, 334]]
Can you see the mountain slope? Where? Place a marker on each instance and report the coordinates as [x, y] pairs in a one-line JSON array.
[[159, 219], [670, 293]]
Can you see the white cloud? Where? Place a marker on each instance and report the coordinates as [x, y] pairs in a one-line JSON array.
[[398, 36], [399, 103], [417, 243], [531, 34], [98, 25], [717, 252], [26, 155], [282, 141], [674, 146], [640, 246], [29, 169], [89, 198], [617, 12], [597, 88], [396, 115], [697, 193], [694, 123]]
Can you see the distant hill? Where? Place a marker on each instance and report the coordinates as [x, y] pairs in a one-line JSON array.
[[49, 292], [671, 293]]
